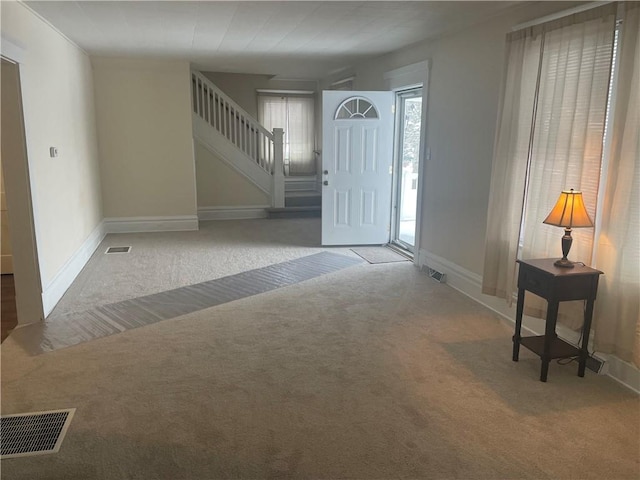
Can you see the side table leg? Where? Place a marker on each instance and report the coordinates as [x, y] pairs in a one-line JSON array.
[[516, 335], [549, 337], [584, 348]]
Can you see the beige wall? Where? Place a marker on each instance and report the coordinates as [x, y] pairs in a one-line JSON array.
[[58, 105], [144, 126], [242, 87], [465, 77], [219, 185]]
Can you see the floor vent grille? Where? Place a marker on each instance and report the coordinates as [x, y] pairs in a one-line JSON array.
[[436, 275], [36, 433], [118, 250], [595, 364]]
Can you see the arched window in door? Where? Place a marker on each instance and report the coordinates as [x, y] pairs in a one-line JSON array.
[[356, 107]]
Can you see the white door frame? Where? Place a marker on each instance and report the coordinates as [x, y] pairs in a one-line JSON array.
[[397, 168], [417, 74], [28, 284]]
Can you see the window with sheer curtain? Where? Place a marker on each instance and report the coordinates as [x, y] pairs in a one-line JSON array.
[[295, 114], [562, 88]]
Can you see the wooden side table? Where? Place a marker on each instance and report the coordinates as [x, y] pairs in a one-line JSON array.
[[555, 285]]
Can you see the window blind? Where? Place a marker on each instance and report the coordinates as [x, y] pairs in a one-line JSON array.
[[295, 114]]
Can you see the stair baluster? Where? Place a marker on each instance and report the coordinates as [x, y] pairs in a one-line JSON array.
[[258, 146]]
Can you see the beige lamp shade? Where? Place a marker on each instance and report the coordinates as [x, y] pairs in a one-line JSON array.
[[569, 211]]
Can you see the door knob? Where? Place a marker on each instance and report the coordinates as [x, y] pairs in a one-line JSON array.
[[326, 172], [326, 182]]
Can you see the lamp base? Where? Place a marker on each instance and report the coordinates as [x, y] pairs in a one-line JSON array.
[[564, 262]]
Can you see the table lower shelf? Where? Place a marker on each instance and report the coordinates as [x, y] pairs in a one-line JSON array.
[[559, 348]]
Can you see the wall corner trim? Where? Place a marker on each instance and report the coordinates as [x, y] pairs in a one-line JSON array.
[[470, 284], [244, 212], [151, 224], [12, 50], [52, 27], [57, 287]]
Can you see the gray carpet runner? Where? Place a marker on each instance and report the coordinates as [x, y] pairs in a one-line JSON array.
[[105, 320]]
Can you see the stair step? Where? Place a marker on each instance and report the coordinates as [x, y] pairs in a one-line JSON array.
[[295, 212], [314, 200], [300, 183], [304, 193]]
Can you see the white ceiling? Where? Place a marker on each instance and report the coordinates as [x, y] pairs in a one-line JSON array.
[[292, 39]]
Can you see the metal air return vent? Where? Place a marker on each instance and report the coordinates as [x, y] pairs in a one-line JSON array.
[[118, 250], [35, 433], [436, 275]]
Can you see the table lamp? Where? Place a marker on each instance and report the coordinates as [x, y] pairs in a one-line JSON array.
[[569, 212]]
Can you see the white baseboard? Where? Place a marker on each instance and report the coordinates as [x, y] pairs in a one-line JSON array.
[[470, 284], [56, 288], [244, 212], [150, 224]]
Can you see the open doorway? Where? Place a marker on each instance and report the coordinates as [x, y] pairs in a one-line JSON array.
[[25, 287], [8, 312], [407, 165]]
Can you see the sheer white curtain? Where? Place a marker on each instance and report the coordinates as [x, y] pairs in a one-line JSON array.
[[295, 114], [564, 150], [564, 94], [566, 146], [272, 111], [567, 141], [511, 154], [301, 136], [617, 315]]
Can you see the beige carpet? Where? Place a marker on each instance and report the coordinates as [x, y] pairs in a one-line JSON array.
[[372, 372], [164, 261], [114, 318]]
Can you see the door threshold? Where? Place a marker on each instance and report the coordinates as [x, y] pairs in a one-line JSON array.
[[401, 250]]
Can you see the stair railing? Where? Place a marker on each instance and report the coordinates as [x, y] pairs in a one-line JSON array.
[[240, 128], [277, 196]]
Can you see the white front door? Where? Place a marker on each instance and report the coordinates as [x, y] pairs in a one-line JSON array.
[[357, 157]]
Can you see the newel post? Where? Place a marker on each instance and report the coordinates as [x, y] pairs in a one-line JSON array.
[[277, 198]]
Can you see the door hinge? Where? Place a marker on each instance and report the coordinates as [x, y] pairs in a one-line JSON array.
[[390, 169]]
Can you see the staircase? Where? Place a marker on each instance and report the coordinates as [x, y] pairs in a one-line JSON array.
[[302, 199], [233, 135], [227, 130]]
